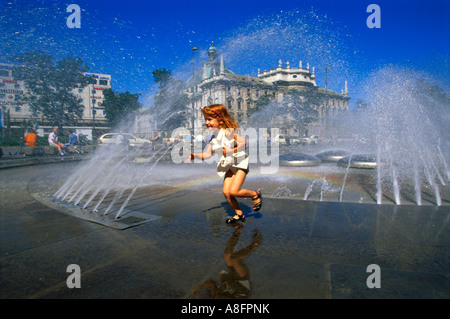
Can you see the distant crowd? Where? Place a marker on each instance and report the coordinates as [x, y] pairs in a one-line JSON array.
[[31, 140]]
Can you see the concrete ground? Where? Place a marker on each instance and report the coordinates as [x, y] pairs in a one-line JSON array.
[[291, 249]]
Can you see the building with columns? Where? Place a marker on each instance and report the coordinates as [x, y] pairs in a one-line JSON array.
[[216, 84]]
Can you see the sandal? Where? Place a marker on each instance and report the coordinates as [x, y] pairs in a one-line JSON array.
[[258, 205], [232, 220]]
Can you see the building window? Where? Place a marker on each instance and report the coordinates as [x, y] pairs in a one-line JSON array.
[[103, 82], [239, 105], [4, 73], [2, 96], [2, 85], [80, 90], [17, 86], [17, 109]]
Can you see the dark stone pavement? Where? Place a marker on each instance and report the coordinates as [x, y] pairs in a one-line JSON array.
[[309, 249]]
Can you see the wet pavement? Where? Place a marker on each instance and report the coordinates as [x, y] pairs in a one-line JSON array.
[[291, 249]]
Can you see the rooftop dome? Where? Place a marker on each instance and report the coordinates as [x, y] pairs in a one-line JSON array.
[[213, 54], [212, 47]]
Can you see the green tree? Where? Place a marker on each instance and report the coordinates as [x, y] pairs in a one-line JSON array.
[[260, 103], [49, 86], [302, 105], [161, 76], [297, 109], [171, 103], [119, 106], [436, 102], [361, 106]]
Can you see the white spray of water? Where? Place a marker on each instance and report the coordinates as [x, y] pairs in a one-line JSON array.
[[407, 133]]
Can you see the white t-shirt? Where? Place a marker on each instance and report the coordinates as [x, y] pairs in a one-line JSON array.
[[52, 136], [232, 161]]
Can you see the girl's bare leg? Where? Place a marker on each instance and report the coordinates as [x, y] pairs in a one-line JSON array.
[[227, 192], [232, 184]]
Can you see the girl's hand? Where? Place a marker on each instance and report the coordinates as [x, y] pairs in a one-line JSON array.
[[191, 157], [226, 151]]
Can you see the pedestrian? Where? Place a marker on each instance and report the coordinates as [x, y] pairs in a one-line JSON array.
[[233, 163], [31, 138], [82, 139], [123, 140], [53, 141], [73, 139]]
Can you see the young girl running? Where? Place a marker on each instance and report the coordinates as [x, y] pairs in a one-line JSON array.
[[233, 164]]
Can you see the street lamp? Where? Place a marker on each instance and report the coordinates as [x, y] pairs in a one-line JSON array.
[[326, 96], [193, 84], [93, 122], [91, 102], [326, 78], [193, 51]]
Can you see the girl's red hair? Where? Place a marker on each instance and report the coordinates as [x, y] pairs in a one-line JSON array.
[[220, 112]]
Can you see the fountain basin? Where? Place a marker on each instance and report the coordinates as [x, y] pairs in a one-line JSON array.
[[359, 161], [332, 156], [298, 159]]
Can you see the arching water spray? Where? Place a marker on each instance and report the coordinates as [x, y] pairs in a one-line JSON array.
[[140, 181], [406, 125], [345, 178]]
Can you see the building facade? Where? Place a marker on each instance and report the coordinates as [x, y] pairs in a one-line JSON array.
[[92, 98], [16, 114], [215, 84]]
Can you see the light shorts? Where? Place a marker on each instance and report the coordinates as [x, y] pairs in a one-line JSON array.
[[52, 144], [239, 162]]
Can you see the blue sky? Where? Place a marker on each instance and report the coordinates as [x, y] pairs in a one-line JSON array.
[[129, 39]]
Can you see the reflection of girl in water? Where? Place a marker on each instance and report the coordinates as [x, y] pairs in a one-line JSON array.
[[236, 282]]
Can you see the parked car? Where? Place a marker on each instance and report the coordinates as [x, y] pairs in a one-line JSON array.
[[113, 138], [280, 139], [310, 140], [294, 140]]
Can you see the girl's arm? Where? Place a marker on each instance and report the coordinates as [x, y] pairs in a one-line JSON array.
[[205, 155], [241, 143]]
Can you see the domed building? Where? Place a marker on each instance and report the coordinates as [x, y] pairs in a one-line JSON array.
[[213, 83]]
